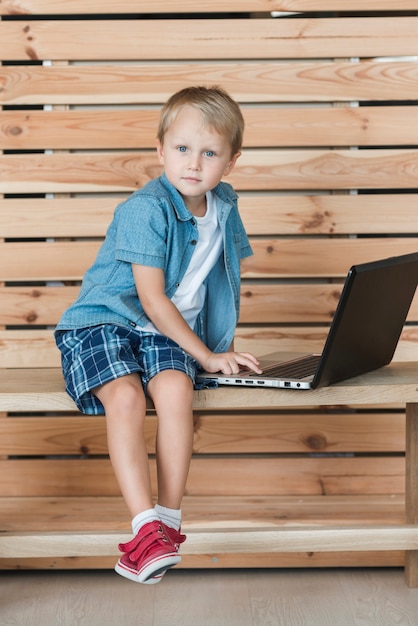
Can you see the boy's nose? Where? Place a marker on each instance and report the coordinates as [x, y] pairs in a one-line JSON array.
[[194, 163]]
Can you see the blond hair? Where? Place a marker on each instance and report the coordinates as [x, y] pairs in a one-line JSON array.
[[219, 112]]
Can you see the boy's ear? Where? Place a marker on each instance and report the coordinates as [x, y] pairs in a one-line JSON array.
[[231, 164], [160, 152]]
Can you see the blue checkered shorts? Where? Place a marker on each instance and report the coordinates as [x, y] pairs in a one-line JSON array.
[[94, 356]]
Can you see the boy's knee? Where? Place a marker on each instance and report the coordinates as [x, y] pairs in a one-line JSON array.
[[171, 382], [124, 394]]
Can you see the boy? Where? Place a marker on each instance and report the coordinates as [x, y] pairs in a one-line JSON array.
[[160, 302]]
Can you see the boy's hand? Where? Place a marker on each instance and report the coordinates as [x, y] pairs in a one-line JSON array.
[[231, 362]]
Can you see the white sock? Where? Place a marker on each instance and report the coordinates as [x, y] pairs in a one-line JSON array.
[[170, 517], [139, 520]]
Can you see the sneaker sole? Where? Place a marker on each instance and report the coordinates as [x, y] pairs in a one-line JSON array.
[[154, 580], [152, 569]]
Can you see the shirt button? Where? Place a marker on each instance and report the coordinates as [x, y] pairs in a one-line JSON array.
[[193, 242]]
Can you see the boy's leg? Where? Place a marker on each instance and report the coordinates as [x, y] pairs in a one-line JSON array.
[[125, 407], [172, 394], [150, 551]]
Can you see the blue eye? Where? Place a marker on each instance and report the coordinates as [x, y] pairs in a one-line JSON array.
[[209, 153], [182, 149]]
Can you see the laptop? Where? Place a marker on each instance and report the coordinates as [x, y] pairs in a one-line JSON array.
[[363, 335]]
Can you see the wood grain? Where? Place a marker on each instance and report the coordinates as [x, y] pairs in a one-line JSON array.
[[241, 476], [254, 432], [275, 213], [40, 389], [36, 348], [324, 125], [254, 81], [212, 541], [268, 170], [207, 39], [393, 558], [273, 258], [272, 126], [260, 304]]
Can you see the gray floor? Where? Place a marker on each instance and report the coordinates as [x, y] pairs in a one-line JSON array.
[[332, 597]]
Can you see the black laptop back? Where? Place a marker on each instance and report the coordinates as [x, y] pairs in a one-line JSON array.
[[369, 318]]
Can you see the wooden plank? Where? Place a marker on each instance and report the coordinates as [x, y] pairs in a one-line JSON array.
[[273, 258], [276, 258], [60, 7], [61, 261], [305, 303], [36, 349], [29, 348], [243, 511], [260, 304], [58, 217], [291, 476], [255, 170], [394, 558], [262, 214], [40, 514], [80, 40], [34, 305], [266, 304], [325, 126], [329, 214], [223, 433], [214, 541], [310, 431], [254, 81], [99, 129], [262, 340], [241, 476], [264, 127], [29, 390]]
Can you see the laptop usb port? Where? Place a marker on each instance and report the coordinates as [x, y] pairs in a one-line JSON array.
[[249, 382]]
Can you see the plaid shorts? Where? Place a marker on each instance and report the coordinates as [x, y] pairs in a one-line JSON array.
[[94, 356]]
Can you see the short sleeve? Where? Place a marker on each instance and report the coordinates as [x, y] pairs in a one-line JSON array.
[[141, 232]]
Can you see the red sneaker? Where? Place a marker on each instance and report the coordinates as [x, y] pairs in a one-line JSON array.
[[176, 539], [148, 554], [174, 535]]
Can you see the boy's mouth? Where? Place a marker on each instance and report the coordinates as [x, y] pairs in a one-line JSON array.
[[191, 179]]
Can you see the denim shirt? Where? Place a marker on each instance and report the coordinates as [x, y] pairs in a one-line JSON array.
[[153, 227]]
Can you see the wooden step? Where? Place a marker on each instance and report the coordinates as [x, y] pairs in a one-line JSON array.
[[227, 540], [108, 516]]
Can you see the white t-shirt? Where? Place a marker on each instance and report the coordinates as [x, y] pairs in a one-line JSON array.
[[190, 295]]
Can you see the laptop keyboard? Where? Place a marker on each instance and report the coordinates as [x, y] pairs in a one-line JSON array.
[[300, 368]]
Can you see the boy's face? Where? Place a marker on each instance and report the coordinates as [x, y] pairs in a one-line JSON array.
[[195, 157]]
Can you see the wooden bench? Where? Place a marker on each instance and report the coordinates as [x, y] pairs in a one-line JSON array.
[[246, 537], [328, 177]]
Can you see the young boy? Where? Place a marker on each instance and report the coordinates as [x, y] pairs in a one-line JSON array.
[[161, 301]]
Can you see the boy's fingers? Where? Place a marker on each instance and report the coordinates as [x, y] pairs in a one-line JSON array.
[[250, 361]]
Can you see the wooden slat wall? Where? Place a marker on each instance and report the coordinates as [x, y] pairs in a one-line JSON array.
[[328, 177]]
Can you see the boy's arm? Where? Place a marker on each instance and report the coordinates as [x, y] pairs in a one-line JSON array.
[[165, 316]]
